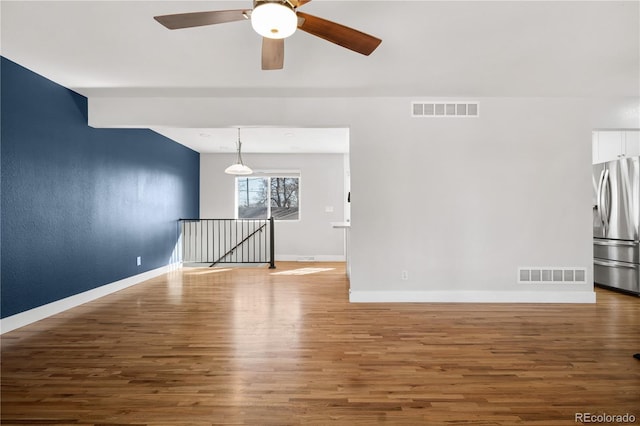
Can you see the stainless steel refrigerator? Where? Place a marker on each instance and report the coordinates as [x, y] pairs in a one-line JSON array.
[[616, 223]]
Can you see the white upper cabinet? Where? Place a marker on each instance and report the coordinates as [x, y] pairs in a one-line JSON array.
[[632, 143], [610, 145]]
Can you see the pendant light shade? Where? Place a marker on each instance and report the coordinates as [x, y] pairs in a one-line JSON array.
[[239, 168]]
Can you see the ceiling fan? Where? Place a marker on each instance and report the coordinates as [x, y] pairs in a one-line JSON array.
[[276, 20]]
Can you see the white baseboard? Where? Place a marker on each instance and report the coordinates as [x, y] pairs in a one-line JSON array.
[[310, 258], [472, 296], [41, 312]]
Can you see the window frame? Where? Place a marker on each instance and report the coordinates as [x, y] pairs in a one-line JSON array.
[[270, 175]]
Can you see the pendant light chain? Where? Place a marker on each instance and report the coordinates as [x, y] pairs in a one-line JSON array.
[[239, 149]]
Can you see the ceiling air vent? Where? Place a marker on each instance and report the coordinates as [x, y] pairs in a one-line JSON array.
[[445, 109]]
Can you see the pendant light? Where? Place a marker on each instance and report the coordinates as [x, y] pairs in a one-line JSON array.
[[239, 168]]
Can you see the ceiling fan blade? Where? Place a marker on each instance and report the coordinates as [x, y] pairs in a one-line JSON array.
[[298, 3], [197, 19], [272, 53], [338, 34]]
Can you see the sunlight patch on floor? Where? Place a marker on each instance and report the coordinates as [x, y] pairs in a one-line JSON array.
[[208, 271], [303, 271]]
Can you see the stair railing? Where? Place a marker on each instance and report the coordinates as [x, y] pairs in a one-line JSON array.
[[219, 241]]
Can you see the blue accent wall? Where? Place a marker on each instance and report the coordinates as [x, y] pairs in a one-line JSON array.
[[80, 204]]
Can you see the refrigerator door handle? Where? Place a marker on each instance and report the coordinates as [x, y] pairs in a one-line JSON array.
[[614, 264], [616, 243], [599, 197], [606, 195]]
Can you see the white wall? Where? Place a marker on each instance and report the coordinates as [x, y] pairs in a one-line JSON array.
[[471, 199], [322, 185], [458, 203]]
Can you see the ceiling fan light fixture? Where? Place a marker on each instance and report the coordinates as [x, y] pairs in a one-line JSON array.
[[274, 20]]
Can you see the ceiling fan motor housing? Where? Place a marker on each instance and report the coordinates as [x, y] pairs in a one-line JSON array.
[[287, 3]]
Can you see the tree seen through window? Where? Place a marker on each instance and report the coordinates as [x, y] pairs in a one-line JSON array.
[[264, 197]]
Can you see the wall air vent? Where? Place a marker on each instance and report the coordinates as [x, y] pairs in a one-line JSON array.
[[551, 275], [441, 109]]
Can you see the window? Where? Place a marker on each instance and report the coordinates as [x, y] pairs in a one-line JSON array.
[[261, 197]]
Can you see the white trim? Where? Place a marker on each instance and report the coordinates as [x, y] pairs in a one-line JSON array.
[[310, 258], [41, 312], [472, 296]]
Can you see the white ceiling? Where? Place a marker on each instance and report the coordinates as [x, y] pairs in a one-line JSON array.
[[267, 140], [429, 49]]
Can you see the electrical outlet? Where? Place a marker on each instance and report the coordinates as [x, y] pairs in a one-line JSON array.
[[139, 260], [404, 275]]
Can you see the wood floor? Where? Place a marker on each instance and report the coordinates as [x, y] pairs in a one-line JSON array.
[[242, 346]]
